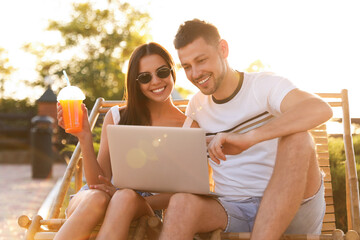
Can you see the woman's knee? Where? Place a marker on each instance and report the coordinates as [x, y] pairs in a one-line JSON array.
[[127, 201], [125, 196], [86, 201], [98, 198]]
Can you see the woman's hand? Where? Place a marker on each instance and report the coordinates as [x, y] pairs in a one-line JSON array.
[[106, 186]]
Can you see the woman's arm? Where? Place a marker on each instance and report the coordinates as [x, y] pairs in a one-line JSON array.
[[93, 166]]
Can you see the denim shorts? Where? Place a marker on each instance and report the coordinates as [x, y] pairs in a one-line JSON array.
[[308, 219]]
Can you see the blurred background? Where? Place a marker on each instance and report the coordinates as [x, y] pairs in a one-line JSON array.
[[314, 43]]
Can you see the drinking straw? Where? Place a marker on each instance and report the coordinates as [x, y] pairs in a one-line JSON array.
[[66, 77]]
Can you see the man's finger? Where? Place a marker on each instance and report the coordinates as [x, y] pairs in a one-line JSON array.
[[213, 158], [218, 152], [209, 139]]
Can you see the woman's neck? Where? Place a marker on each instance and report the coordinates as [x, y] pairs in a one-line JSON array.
[[164, 112]]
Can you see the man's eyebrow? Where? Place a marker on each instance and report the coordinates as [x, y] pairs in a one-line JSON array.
[[196, 58], [200, 56]]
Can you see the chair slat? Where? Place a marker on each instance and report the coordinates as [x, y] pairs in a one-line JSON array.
[[329, 200], [329, 217], [322, 148], [321, 141]]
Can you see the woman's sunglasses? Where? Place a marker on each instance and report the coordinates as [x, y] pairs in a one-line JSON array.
[[146, 77]]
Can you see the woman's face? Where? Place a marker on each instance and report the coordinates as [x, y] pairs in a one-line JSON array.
[[158, 89]]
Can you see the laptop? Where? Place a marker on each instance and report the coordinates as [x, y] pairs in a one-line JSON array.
[[159, 159]]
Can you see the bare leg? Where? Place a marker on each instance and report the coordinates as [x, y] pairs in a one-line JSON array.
[[296, 176], [85, 211], [188, 214], [125, 206]]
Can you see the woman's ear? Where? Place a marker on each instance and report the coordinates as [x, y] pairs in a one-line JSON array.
[[223, 48]]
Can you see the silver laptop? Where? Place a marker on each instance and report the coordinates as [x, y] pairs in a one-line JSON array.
[[159, 159]]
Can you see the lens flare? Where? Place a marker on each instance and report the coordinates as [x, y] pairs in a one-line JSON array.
[[136, 158]]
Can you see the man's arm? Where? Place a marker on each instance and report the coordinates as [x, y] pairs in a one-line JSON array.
[[301, 111]]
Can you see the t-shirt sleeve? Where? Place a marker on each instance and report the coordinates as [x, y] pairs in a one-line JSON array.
[[270, 90]]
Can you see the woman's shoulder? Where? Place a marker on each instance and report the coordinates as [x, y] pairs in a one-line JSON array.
[[113, 115]]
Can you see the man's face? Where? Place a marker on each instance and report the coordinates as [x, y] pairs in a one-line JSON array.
[[203, 64]]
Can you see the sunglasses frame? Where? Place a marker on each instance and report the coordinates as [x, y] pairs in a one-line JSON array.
[[151, 74]]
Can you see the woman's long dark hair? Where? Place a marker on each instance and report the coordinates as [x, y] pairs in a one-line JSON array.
[[136, 111]]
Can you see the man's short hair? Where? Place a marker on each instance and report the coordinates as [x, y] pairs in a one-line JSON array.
[[194, 29]]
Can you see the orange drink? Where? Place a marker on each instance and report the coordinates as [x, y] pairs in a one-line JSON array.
[[71, 98], [72, 115]]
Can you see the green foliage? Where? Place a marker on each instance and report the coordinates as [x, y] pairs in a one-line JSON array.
[[100, 41], [184, 92], [256, 66], [96, 142], [337, 163], [5, 71], [9, 105]]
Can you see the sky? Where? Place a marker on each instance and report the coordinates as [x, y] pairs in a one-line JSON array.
[[314, 43]]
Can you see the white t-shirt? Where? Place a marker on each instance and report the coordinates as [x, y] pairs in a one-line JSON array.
[[258, 101]]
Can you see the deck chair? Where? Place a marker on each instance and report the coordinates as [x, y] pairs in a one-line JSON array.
[[38, 228]]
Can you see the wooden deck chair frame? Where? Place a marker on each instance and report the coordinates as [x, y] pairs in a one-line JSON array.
[[329, 231]]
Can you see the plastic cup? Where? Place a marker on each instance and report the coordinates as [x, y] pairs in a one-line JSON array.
[[71, 98]]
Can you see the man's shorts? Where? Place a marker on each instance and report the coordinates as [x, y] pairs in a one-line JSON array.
[[308, 219]]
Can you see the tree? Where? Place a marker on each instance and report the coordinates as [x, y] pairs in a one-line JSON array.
[[5, 71], [256, 66], [99, 41]]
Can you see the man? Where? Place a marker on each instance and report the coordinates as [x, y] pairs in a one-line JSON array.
[[262, 157]]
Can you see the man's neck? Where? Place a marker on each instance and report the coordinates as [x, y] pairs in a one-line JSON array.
[[228, 86]]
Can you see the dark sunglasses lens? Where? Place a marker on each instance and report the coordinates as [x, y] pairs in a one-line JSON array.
[[144, 78], [163, 72]]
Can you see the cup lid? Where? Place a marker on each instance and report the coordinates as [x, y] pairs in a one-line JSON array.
[[71, 93]]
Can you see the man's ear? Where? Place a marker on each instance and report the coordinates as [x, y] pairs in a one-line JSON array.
[[223, 48]]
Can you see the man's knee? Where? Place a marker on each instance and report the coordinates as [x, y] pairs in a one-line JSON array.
[[183, 203], [298, 142]]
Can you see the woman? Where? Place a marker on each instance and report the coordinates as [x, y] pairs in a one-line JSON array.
[[150, 81]]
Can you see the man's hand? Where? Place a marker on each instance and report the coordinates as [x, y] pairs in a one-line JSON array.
[[227, 144], [107, 186]]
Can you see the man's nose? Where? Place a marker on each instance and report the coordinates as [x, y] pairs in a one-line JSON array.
[[196, 73]]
